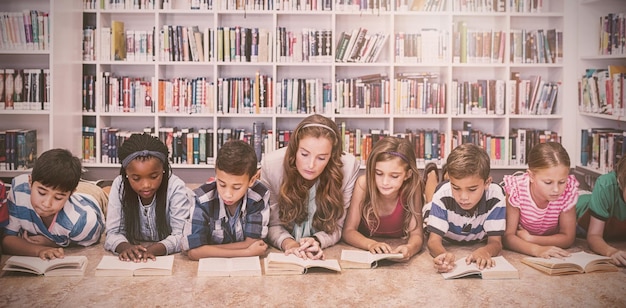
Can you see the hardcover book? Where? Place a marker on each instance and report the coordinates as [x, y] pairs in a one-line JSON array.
[[67, 266], [502, 270], [577, 263], [224, 267], [364, 259], [113, 266], [281, 264]]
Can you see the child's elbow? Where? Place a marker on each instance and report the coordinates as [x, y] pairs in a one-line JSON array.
[[192, 254]]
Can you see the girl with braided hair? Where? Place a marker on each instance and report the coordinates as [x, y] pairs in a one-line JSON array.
[[148, 205]]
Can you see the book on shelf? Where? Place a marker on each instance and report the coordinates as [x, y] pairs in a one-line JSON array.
[[501, 270], [67, 266], [364, 259], [577, 263], [118, 41], [224, 267], [113, 266], [281, 264]]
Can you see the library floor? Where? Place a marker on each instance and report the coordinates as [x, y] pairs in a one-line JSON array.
[[390, 285]]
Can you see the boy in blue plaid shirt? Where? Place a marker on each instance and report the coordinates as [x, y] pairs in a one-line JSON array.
[[231, 213]]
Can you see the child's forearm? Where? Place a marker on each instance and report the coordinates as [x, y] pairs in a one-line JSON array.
[[435, 246], [15, 245], [356, 239], [600, 246], [493, 247], [560, 240], [219, 251]]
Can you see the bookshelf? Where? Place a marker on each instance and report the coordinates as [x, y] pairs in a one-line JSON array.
[[57, 54], [593, 56], [322, 68]]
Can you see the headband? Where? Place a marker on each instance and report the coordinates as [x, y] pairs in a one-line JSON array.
[[398, 154], [319, 125], [143, 153]]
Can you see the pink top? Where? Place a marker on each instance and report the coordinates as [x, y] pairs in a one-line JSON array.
[[533, 219], [389, 226]]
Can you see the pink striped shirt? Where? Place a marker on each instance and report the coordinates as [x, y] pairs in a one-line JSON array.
[[533, 219]]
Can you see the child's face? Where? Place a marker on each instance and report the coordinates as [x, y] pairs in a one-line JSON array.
[[230, 187], [312, 157], [548, 184], [469, 190], [145, 176], [389, 176], [47, 201]]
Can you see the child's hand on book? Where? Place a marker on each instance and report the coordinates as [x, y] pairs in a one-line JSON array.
[[405, 250], [136, 253], [51, 253], [444, 262], [310, 249], [257, 248], [551, 252], [619, 258], [379, 247], [481, 257]]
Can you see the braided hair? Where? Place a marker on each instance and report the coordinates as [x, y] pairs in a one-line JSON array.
[[137, 143]]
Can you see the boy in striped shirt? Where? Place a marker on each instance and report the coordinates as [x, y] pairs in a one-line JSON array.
[[467, 209], [45, 212]]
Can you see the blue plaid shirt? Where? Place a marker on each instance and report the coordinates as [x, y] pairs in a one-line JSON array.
[[209, 224]]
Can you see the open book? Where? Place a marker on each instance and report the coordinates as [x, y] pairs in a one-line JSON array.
[[281, 264], [577, 263], [364, 259], [113, 266], [239, 266], [67, 266], [502, 270]]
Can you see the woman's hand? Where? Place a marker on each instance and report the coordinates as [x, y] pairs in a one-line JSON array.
[[379, 247]]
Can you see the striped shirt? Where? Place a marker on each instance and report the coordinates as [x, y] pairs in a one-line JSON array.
[[79, 222], [533, 219], [210, 222], [445, 217]]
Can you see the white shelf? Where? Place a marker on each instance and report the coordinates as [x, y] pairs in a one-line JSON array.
[[556, 15]]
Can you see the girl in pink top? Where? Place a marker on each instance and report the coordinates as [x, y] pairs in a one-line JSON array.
[[387, 201], [541, 204]]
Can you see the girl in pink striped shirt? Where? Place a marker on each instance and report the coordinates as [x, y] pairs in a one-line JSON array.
[[541, 204]]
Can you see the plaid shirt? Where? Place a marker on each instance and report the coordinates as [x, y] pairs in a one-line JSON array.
[[209, 223]]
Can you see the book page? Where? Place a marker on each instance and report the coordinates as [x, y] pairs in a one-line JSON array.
[[292, 259], [36, 265], [114, 263], [502, 270], [228, 265], [363, 256]]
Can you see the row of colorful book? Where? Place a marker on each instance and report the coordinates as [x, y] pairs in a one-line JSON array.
[[25, 89], [304, 45], [477, 45], [18, 149], [603, 90], [601, 148], [522, 6], [612, 35], [25, 30], [428, 45], [360, 46], [120, 94]]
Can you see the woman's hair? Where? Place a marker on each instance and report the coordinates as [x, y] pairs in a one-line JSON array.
[[412, 189], [293, 197], [547, 155], [468, 160], [149, 147], [620, 172], [57, 169]]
